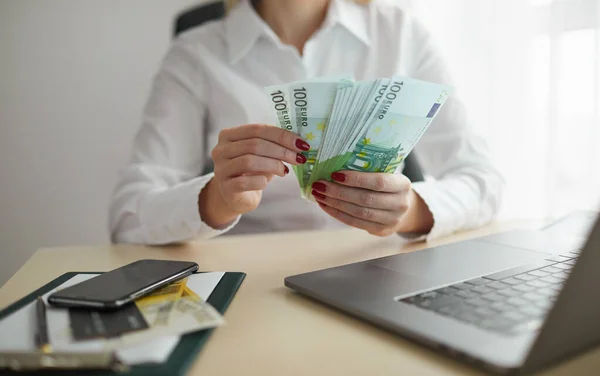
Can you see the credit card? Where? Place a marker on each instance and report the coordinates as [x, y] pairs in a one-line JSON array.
[[89, 324]]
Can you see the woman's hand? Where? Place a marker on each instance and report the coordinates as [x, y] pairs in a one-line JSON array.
[[246, 159], [379, 203]]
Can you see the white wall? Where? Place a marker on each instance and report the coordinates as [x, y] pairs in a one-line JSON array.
[[74, 76]]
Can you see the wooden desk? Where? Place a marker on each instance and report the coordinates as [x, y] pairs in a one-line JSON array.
[[271, 330]]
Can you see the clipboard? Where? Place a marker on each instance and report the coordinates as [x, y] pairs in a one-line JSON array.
[[182, 356]]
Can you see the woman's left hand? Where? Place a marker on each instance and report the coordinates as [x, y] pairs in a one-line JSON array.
[[381, 204]]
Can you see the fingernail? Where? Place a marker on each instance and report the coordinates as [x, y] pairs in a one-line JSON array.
[[286, 170], [302, 145], [338, 176], [318, 195], [300, 158], [319, 187]]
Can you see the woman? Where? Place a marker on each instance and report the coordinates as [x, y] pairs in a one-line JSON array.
[[208, 101]]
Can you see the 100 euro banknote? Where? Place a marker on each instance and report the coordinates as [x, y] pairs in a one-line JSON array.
[[304, 108], [312, 103]]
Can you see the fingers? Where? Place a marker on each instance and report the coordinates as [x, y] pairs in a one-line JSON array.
[[271, 133], [374, 181], [362, 197], [260, 147], [251, 165], [371, 227], [384, 217], [257, 149], [247, 157]]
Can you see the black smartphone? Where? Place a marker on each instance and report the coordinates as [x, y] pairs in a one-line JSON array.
[[118, 287]]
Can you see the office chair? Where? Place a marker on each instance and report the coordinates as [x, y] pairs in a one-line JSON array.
[[198, 15]]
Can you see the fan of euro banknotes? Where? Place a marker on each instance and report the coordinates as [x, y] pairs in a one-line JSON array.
[[368, 126]]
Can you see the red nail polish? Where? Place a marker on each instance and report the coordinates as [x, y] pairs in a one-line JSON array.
[[319, 187], [286, 170], [300, 158], [338, 176], [318, 195], [302, 145]]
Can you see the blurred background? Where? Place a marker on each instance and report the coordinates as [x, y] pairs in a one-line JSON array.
[[75, 74]]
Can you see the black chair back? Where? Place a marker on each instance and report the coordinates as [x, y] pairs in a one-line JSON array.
[[198, 15]]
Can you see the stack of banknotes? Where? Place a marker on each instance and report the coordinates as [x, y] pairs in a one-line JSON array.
[[368, 126]]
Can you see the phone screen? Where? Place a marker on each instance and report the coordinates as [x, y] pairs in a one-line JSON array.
[[120, 283]]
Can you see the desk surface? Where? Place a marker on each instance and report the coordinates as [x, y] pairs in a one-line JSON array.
[[271, 330]]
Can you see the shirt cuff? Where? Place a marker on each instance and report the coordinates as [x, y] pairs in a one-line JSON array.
[[430, 195], [171, 215]]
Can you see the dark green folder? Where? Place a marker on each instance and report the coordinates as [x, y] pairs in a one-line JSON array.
[[182, 356]]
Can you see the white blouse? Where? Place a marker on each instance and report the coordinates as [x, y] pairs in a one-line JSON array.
[[213, 78]]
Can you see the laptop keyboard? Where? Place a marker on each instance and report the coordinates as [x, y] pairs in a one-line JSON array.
[[509, 302]]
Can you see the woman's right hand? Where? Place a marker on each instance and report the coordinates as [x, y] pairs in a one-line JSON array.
[[246, 159]]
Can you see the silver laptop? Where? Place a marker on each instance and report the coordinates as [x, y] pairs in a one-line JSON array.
[[513, 302]]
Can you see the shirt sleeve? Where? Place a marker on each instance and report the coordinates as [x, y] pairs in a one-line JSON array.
[[466, 188], [155, 200]]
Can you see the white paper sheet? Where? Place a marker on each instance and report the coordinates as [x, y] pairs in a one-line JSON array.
[[17, 331]]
